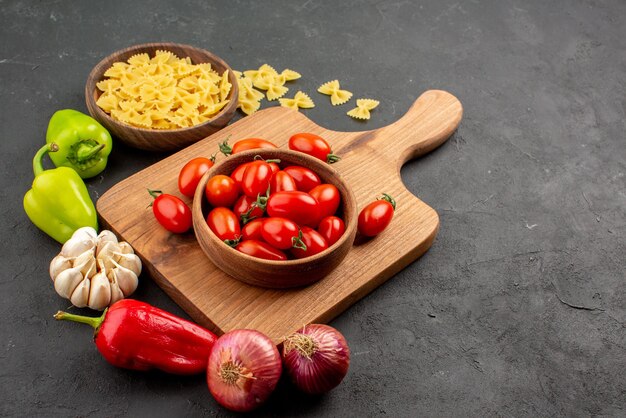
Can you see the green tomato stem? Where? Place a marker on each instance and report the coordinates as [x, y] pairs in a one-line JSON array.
[[332, 158]]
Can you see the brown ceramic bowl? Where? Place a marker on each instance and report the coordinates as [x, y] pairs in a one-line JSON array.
[[159, 139], [269, 273]]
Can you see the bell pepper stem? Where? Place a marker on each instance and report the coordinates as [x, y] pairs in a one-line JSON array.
[[38, 158], [86, 152], [95, 322]]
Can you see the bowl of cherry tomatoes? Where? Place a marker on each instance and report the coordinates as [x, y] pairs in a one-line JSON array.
[[274, 218]]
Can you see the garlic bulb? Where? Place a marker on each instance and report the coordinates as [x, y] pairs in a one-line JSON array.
[[95, 270]]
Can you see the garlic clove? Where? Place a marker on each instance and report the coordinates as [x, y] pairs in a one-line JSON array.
[[58, 264], [131, 262], [126, 279], [67, 281], [86, 263], [105, 240], [86, 232], [80, 296], [116, 292], [106, 256], [100, 292], [106, 235], [125, 248], [78, 245]]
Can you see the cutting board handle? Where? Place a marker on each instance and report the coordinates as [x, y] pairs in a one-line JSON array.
[[430, 121]]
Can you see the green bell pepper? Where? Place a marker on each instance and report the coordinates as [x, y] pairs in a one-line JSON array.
[[58, 202], [84, 144]]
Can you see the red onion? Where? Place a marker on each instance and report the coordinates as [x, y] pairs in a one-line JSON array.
[[316, 358], [244, 368]]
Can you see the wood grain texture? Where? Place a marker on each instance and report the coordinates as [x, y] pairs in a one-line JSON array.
[[160, 139], [371, 162], [268, 273]]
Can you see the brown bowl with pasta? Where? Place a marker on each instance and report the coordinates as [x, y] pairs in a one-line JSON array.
[[162, 96]]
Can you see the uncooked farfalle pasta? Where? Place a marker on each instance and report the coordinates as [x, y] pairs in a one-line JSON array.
[[363, 107], [300, 101], [337, 96], [162, 92], [253, 82], [264, 78]]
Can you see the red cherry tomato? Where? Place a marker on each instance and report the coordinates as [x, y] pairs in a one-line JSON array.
[[313, 145], [280, 233], [328, 197], [256, 178], [171, 212], [375, 217], [305, 179], [237, 173], [275, 168], [314, 241], [260, 249], [191, 173], [331, 228], [221, 191], [282, 182], [252, 230], [244, 210], [245, 145], [224, 223], [300, 207]]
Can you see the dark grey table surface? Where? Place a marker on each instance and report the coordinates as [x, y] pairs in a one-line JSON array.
[[519, 308]]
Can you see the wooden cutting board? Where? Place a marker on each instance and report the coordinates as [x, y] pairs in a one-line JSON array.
[[370, 164]]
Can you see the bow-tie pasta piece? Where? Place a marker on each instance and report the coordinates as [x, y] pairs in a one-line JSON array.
[[363, 108], [300, 101], [290, 75], [337, 96], [249, 98]]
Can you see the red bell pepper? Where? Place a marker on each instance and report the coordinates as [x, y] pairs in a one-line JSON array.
[[138, 336]]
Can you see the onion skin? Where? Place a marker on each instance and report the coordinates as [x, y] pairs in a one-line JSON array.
[[243, 369], [316, 368]]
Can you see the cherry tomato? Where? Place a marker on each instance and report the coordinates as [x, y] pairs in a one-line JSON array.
[[275, 168], [252, 230], [191, 173], [331, 228], [245, 145], [171, 212], [282, 182], [300, 207], [256, 178], [313, 145], [221, 191], [224, 223], [305, 179], [237, 173], [375, 217], [314, 241], [280, 233], [242, 207], [327, 195], [260, 249]]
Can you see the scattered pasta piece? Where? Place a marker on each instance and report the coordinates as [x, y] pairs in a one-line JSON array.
[[163, 92], [362, 109], [274, 91], [337, 96], [290, 75], [249, 106], [249, 100], [300, 100], [268, 79]]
